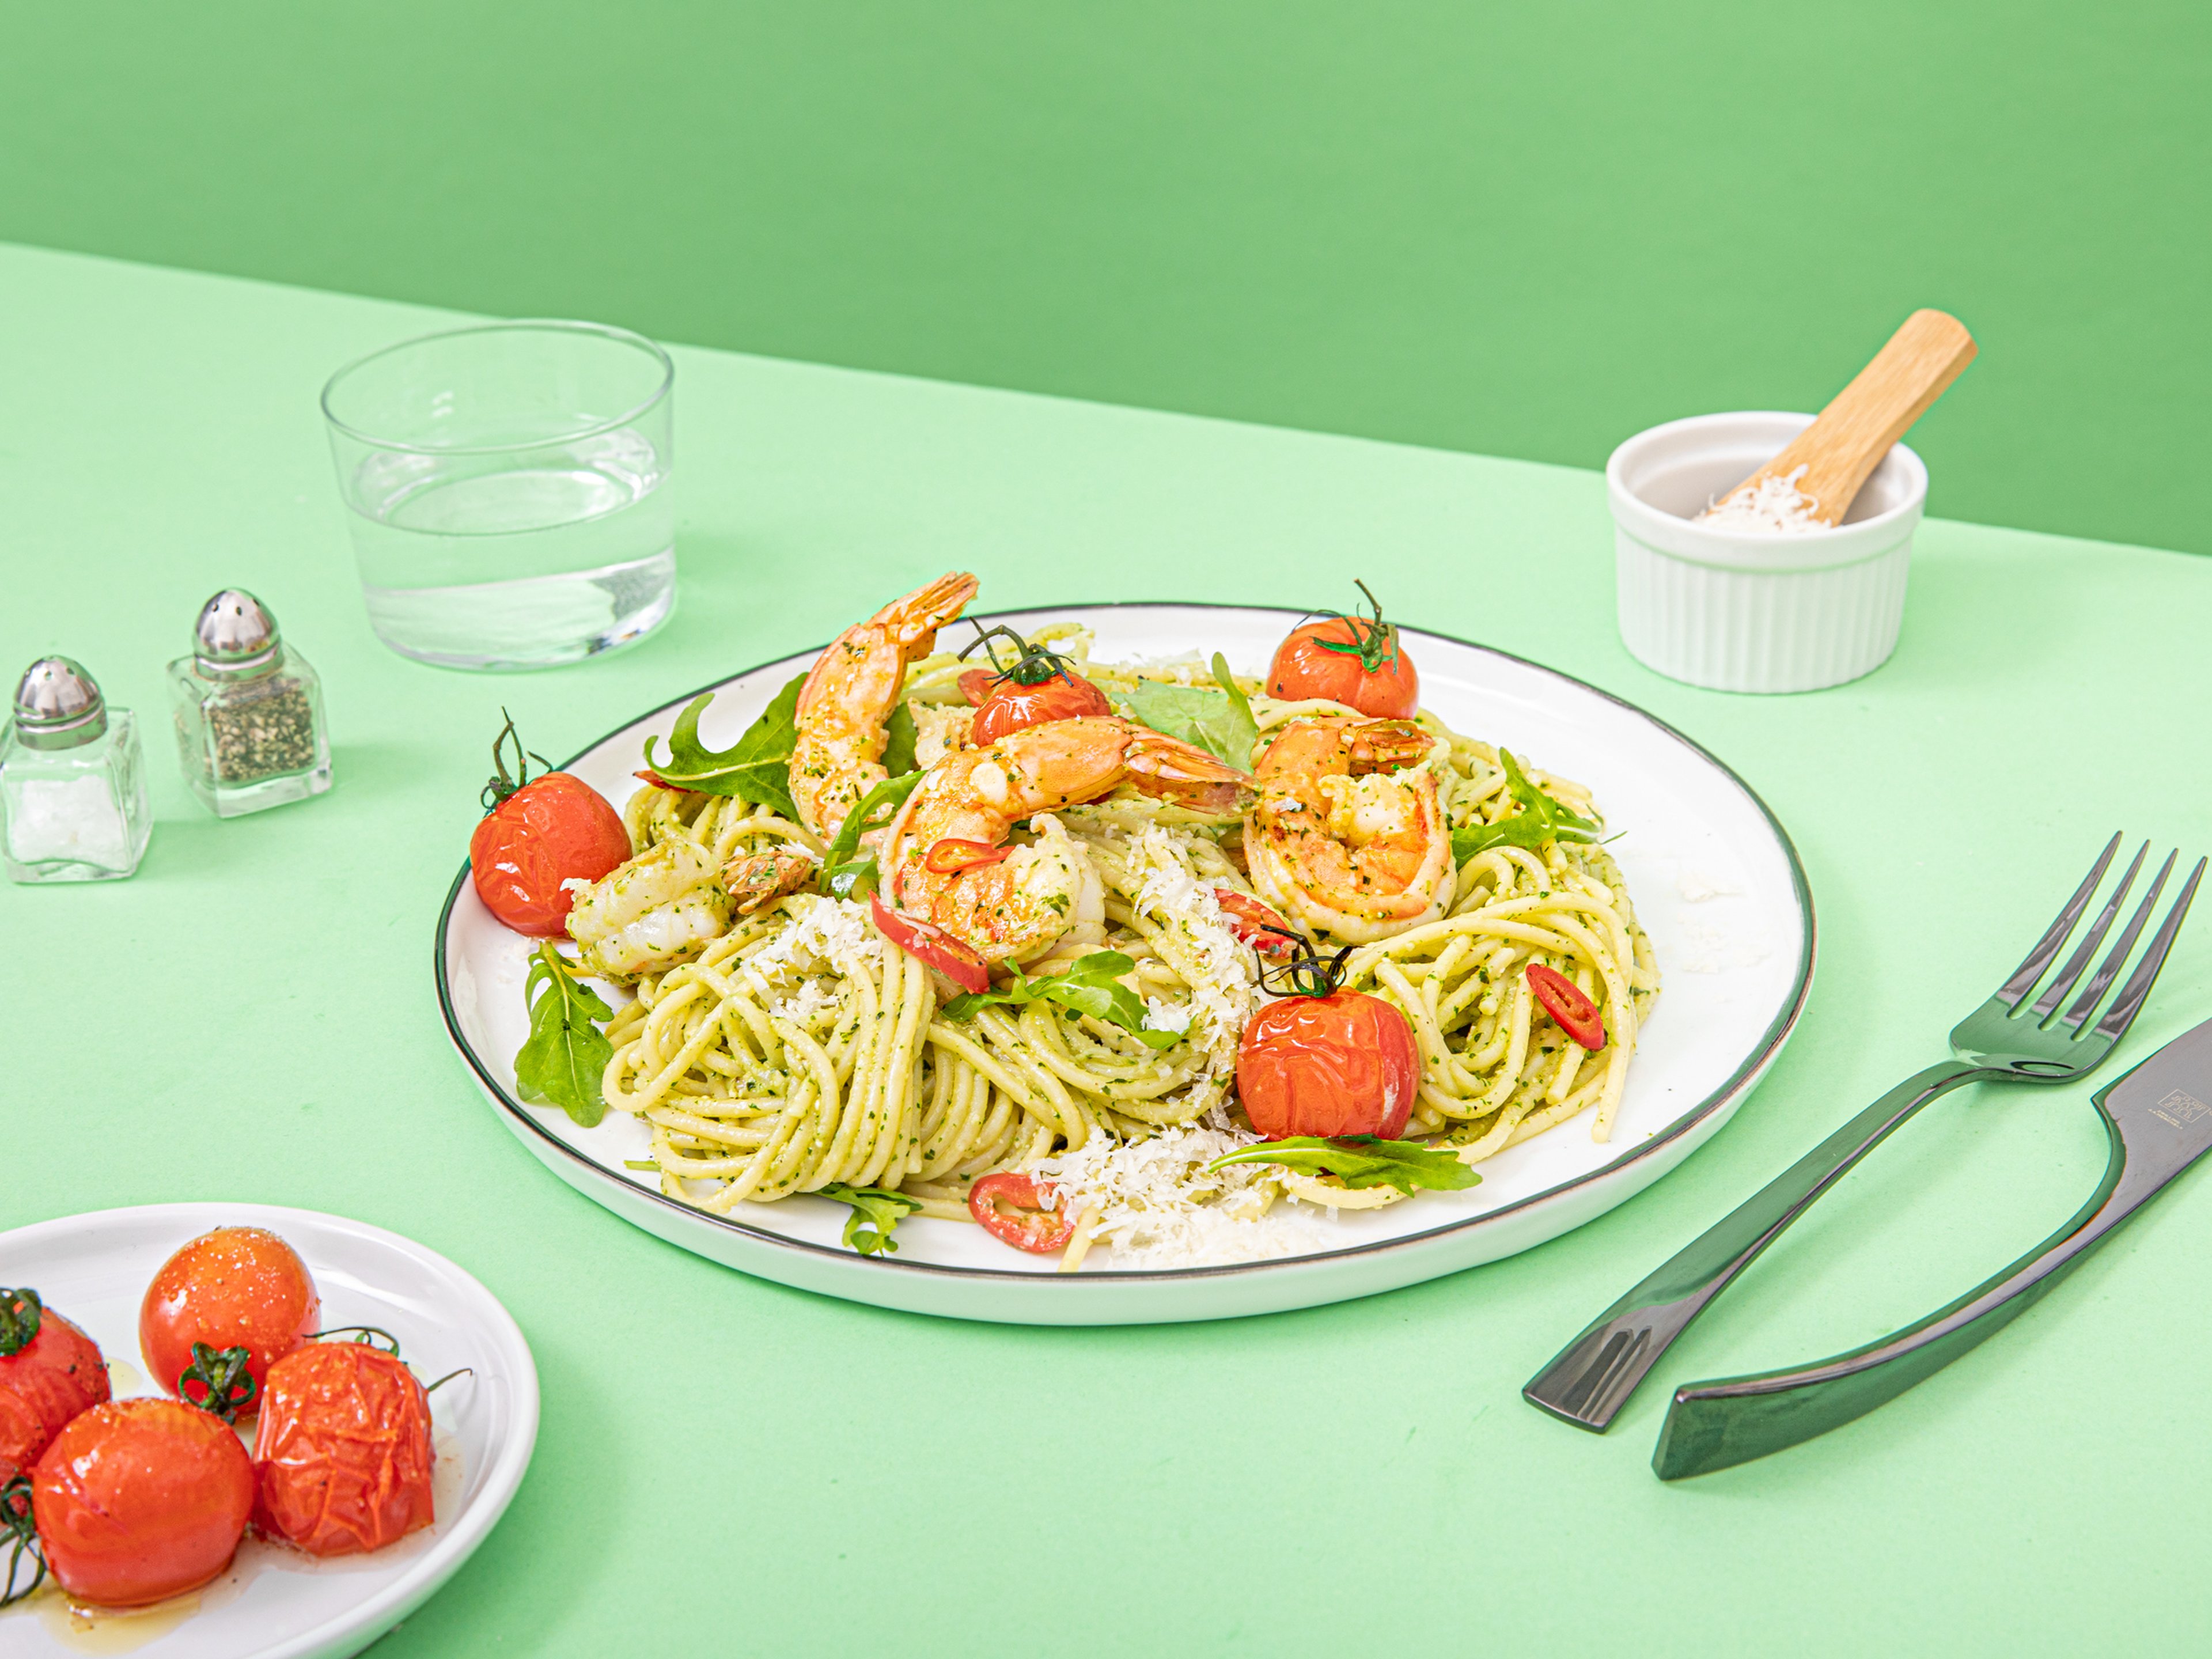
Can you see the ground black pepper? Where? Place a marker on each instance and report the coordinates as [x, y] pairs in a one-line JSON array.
[[260, 729]]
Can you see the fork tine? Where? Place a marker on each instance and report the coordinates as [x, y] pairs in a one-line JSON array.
[[2055, 993], [2086, 1004], [2024, 976], [2130, 1003]]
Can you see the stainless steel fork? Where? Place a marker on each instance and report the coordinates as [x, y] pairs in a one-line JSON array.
[[2008, 1039]]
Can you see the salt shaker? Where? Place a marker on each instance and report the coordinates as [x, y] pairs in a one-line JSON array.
[[249, 712], [72, 780]]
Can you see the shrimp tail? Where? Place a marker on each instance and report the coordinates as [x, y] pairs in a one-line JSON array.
[[755, 880], [912, 623], [1385, 745], [1174, 770]]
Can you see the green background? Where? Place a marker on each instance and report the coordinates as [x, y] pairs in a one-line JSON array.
[[727, 1466], [1525, 230]]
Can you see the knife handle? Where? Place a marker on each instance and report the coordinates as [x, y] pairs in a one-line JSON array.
[[1714, 1425], [1590, 1380]]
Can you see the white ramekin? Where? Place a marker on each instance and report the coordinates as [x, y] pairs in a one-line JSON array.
[[1738, 611]]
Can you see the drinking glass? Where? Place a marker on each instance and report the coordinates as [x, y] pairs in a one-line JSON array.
[[507, 491]]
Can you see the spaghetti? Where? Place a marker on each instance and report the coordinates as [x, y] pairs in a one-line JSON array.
[[800, 1048]]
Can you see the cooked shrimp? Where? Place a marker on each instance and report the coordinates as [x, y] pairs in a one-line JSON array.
[[755, 880], [1019, 907], [1340, 842], [660, 907], [838, 756]]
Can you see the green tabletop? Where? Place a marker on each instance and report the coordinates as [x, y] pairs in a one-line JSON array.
[[726, 1465]]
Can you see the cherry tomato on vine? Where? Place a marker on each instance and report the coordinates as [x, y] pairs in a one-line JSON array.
[[138, 1500], [1564, 1001], [538, 833], [1010, 1207], [1256, 924], [50, 1371], [236, 1287], [1326, 1061], [931, 945], [342, 1458], [1040, 687], [1357, 661]]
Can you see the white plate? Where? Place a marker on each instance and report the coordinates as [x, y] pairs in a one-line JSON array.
[[274, 1602], [1714, 879]]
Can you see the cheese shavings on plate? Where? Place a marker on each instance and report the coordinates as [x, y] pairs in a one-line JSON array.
[[830, 929], [1156, 1204], [1170, 895]]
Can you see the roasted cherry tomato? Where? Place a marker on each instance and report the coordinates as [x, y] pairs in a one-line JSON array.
[[537, 834], [236, 1287], [1041, 686], [1342, 1064], [1564, 1001], [927, 943], [951, 855], [1355, 660], [1256, 924], [1012, 1209], [50, 1371], [141, 1499], [342, 1461]]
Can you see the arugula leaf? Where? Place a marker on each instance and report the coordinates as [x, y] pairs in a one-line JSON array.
[[757, 768], [1540, 819], [875, 1212], [567, 1054], [899, 730], [1219, 722], [1360, 1161], [847, 873], [1093, 985]]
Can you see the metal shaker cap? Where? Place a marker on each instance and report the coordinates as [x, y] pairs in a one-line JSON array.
[[236, 635], [58, 705]]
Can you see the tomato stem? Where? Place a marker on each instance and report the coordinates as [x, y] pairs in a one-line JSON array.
[[459, 1370], [1033, 664], [497, 789], [1374, 640], [226, 1387], [20, 1314], [1307, 973], [15, 1524], [367, 1336]]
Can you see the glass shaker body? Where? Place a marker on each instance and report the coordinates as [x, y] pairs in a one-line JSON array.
[[79, 813], [249, 741]]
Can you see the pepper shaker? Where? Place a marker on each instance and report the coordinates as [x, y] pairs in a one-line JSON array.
[[72, 780], [249, 712]]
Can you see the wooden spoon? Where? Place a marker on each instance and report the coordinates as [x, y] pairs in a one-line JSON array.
[[1857, 428]]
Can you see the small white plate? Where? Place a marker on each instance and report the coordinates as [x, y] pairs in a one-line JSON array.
[[275, 1603], [1714, 879]]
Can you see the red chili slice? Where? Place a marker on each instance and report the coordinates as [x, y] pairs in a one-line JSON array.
[[1011, 1210], [1255, 924], [1564, 1001], [976, 685], [925, 942], [952, 855]]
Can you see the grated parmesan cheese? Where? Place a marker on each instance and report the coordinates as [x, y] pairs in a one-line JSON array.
[[1776, 507], [1170, 895], [830, 927], [1161, 1015], [1156, 1209]]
